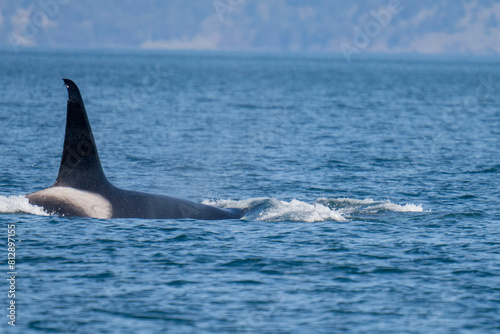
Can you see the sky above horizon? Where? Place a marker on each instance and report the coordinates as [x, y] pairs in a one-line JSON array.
[[462, 27]]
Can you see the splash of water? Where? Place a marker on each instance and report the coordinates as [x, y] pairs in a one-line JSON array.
[[19, 204], [323, 209]]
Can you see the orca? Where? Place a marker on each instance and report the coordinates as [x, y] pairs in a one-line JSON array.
[[82, 190]]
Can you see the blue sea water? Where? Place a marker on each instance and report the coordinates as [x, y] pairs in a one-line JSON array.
[[373, 189]]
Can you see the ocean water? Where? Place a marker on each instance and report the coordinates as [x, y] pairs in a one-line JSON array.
[[372, 188]]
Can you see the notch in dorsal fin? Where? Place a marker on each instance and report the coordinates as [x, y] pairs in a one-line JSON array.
[[80, 165]]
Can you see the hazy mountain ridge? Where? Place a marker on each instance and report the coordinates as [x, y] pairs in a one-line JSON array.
[[465, 27]]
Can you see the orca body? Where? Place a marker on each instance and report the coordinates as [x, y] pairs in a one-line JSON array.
[[82, 189]]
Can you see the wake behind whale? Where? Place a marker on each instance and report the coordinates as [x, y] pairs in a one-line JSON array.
[[81, 188]]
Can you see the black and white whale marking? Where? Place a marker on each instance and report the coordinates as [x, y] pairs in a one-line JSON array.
[[82, 189]]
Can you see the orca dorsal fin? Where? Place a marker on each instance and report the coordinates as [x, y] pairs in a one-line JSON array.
[[80, 165]]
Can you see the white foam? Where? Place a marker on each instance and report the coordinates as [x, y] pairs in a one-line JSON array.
[[323, 209], [300, 211], [368, 205], [388, 206], [348, 200], [268, 209], [229, 203], [17, 204], [405, 208]]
